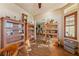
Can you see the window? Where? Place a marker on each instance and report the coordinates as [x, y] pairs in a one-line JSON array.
[[70, 23]]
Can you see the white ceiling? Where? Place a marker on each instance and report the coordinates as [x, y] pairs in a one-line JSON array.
[[33, 9]]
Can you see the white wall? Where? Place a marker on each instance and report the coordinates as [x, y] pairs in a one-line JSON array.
[[11, 9]]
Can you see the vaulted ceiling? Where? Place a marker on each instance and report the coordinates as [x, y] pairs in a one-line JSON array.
[[33, 8]]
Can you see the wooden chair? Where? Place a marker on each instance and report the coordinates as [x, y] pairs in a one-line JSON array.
[[10, 51]]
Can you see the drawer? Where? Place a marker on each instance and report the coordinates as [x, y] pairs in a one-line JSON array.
[[70, 43], [71, 50]]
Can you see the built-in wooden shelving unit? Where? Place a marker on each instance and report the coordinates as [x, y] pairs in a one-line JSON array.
[[12, 33]]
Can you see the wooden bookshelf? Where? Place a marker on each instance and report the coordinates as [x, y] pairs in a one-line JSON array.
[[51, 29], [12, 33], [47, 31], [31, 36]]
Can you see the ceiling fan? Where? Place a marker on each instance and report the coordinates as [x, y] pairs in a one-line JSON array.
[[39, 5]]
